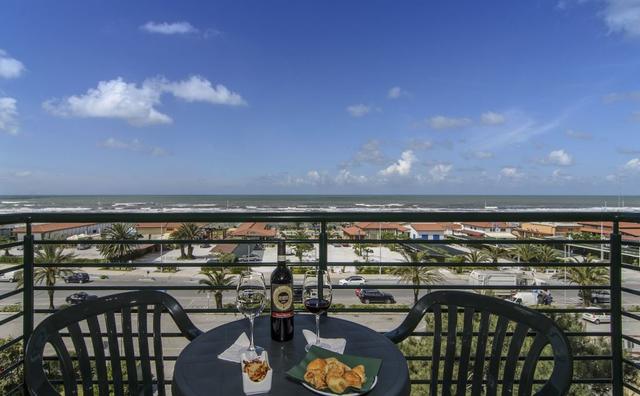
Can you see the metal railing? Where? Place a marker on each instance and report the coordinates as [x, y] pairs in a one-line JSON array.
[[620, 362]]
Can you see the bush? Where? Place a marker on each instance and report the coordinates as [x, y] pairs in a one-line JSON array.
[[11, 308]]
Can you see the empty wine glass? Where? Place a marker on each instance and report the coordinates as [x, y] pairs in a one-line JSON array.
[[316, 295], [250, 300]]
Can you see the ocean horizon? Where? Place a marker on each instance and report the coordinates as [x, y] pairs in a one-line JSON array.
[[310, 202]]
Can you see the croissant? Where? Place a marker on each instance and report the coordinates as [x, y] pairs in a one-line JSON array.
[[317, 364], [353, 379], [360, 370], [315, 378], [336, 383]]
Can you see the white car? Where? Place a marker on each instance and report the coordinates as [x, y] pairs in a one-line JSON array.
[[596, 317], [354, 280]]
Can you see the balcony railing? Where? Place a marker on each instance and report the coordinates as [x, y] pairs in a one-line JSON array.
[[612, 369]]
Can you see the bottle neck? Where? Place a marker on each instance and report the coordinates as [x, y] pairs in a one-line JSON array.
[[282, 260]]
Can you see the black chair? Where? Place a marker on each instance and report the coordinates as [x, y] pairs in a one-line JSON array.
[[472, 376], [139, 378]]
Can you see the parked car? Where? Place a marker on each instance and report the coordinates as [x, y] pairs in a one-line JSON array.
[[77, 277], [297, 294], [596, 317], [358, 292], [84, 246], [354, 280], [205, 245], [368, 296], [600, 296], [11, 276], [213, 260], [249, 258], [80, 297]]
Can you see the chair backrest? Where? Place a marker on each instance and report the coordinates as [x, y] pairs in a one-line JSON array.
[[125, 368], [519, 331]]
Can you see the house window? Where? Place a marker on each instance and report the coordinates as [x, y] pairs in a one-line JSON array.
[[424, 236], [436, 237]]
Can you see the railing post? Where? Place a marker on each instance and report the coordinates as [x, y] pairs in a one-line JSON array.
[[616, 309], [322, 257], [27, 293]]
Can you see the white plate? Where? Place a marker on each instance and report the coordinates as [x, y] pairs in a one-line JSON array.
[[312, 389]]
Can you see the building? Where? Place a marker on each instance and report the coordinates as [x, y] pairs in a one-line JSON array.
[[61, 230], [353, 232], [547, 229], [156, 230], [374, 230], [254, 231], [603, 229], [429, 231], [486, 226]]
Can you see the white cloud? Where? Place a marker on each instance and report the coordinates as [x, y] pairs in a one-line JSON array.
[[402, 166], [559, 175], [482, 155], [358, 110], [442, 122], [420, 144], [491, 118], [621, 96], [137, 104], [169, 27], [511, 173], [558, 157], [199, 89], [633, 164], [579, 135], [623, 16], [10, 67], [370, 153], [23, 173], [8, 116], [396, 92], [344, 176], [114, 99], [133, 145], [439, 172]]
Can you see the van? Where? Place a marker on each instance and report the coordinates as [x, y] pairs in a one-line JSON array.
[[11, 276]]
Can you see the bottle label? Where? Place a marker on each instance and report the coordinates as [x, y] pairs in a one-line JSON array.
[[282, 302]]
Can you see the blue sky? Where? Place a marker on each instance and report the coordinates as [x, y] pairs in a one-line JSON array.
[[501, 97]]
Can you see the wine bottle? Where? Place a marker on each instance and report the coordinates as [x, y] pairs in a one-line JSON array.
[[282, 298]]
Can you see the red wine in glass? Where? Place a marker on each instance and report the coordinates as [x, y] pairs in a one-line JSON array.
[[317, 305]]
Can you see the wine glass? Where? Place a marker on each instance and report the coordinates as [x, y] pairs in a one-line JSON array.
[[250, 300], [316, 295]]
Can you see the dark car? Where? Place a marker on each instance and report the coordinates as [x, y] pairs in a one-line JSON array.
[[368, 296], [297, 294], [77, 277], [600, 297], [80, 297]]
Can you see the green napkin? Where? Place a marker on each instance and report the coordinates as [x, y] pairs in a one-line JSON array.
[[371, 365]]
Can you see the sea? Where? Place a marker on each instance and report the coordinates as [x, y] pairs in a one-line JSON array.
[[312, 203]]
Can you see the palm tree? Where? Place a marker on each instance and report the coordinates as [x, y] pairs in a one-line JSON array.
[[299, 249], [475, 256], [187, 231], [546, 254], [414, 274], [50, 254], [495, 252], [524, 253], [118, 252], [585, 276], [216, 277]]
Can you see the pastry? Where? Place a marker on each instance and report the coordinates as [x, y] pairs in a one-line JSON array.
[[333, 374]]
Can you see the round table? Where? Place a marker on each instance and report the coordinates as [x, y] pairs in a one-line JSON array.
[[198, 371]]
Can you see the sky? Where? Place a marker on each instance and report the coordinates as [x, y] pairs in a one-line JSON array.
[[329, 97]]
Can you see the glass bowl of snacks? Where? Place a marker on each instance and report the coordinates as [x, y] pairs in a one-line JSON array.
[[256, 374]]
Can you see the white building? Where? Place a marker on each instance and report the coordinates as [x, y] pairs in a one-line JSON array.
[[61, 230], [429, 231]]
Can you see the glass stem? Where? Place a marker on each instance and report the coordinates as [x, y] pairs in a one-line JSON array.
[[252, 347], [317, 329]]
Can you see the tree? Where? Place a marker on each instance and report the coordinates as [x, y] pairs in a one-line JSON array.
[[524, 253], [546, 254], [187, 231], [216, 277], [362, 250], [475, 256], [585, 276], [50, 254], [118, 252], [415, 274], [299, 249], [495, 252]]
